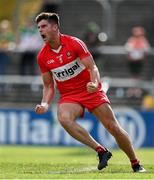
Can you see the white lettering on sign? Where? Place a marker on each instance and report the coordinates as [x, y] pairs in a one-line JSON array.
[[18, 127]]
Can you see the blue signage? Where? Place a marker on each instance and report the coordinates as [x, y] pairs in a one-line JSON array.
[[26, 127]]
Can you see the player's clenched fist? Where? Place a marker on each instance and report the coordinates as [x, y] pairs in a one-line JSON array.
[[92, 87], [41, 108]]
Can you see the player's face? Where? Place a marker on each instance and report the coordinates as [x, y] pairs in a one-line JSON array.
[[47, 30]]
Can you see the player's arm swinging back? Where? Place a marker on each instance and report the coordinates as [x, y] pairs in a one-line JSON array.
[[48, 93]]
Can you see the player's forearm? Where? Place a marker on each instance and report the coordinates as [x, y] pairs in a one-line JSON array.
[[94, 75], [48, 93]]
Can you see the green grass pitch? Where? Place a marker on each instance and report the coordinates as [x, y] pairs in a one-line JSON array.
[[29, 162]]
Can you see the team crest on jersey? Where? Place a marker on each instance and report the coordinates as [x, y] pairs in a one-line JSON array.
[[68, 54]]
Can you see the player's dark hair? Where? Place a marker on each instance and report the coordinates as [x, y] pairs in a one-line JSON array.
[[50, 17]]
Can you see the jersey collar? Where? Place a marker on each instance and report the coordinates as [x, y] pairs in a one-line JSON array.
[[62, 41]]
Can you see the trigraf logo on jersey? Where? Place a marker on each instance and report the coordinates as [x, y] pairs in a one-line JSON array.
[[68, 71]]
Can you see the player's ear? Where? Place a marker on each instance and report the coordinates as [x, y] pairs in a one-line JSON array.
[[55, 27]]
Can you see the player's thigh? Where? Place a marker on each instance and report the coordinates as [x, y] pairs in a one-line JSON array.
[[106, 115], [69, 111]]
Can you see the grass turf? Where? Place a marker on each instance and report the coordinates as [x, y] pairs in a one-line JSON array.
[[28, 162]]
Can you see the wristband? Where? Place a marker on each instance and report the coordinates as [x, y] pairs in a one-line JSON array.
[[45, 105]]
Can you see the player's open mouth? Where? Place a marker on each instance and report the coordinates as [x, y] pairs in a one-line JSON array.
[[43, 36]]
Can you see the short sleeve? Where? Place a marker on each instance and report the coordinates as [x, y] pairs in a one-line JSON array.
[[80, 48]]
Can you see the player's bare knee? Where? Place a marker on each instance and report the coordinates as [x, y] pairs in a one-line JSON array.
[[114, 129], [64, 118]]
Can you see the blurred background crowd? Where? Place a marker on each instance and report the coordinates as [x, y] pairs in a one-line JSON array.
[[119, 33]]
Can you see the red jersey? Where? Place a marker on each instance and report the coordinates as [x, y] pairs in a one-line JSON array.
[[65, 65]]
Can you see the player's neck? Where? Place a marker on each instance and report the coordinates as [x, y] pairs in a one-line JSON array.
[[55, 42]]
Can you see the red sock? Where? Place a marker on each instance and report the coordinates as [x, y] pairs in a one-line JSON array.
[[134, 162], [100, 149]]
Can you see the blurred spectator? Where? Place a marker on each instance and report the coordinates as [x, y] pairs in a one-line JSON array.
[[90, 37], [29, 43], [148, 102], [91, 34], [137, 48], [6, 44]]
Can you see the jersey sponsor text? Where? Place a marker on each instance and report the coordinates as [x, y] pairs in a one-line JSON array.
[[68, 71]]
